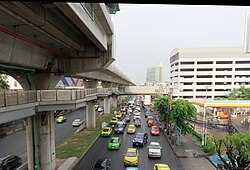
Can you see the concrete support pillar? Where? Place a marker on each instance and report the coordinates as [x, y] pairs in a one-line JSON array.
[[90, 84], [46, 141], [90, 115], [107, 85], [106, 105], [114, 102], [119, 99], [29, 142]]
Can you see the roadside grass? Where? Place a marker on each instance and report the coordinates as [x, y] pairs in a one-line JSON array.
[[77, 144]]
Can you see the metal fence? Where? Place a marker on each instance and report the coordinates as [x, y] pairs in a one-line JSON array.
[[12, 98]]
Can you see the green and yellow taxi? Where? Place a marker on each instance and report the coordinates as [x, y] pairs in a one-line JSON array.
[[114, 143], [118, 115], [113, 121], [131, 157], [107, 131], [160, 166], [131, 128], [61, 119]]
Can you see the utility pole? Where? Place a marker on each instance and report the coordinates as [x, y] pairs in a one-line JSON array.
[[169, 112], [204, 119]]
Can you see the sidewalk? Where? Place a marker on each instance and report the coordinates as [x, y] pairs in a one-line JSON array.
[[190, 154]]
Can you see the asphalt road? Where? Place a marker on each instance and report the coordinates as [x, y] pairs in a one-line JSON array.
[[99, 150], [16, 143]]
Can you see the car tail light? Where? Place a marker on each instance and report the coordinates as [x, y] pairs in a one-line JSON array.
[[4, 165]]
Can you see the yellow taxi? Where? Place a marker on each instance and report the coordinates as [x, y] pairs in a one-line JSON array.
[[61, 119], [131, 128], [131, 157], [160, 166], [106, 131], [118, 115], [113, 121]]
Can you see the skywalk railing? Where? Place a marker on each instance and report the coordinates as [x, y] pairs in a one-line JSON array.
[[12, 98]]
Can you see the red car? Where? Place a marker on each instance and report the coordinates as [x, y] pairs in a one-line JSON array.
[[150, 122], [154, 130]]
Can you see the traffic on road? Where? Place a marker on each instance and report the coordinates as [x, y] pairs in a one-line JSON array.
[[142, 147]]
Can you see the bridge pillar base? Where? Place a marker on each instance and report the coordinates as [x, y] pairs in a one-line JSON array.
[[106, 105], [114, 101], [90, 115], [46, 141]]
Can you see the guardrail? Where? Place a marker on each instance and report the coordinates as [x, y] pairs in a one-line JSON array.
[[12, 98]]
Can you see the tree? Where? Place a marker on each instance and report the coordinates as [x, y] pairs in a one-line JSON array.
[[3, 82], [237, 149], [241, 93], [182, 110], [161, 106]]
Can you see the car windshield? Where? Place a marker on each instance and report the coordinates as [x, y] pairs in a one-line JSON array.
[[105, 130], [119, 125], [114, 141], [114, 119], [77, 120], [139, 135], [131, 154], [154, 146], [154, 128]]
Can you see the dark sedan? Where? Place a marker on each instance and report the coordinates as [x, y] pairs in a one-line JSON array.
[[10, 162], [119, 128], [102, 164], [140, 139]]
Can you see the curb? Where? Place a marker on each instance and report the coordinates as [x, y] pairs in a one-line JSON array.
[[84, 154], [169, 142]]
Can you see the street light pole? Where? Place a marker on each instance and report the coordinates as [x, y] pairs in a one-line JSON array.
[[204, 119]]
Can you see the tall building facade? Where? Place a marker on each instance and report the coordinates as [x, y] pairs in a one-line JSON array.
[[154, 74], [199, 73]]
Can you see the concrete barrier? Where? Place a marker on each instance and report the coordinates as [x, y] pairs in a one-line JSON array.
[[67, 165]]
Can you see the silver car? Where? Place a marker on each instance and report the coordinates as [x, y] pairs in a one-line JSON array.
[[154, 149]]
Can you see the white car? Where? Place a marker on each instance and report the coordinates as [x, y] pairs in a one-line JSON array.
[[137, 116], [100, 109], [130, 110], [77, 122], [154, 149]]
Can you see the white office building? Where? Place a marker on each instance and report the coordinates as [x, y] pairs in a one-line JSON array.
[[199, 73]]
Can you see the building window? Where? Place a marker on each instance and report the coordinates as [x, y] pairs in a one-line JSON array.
[[187, 63], [223, 69], [188, 83], [204, 62], [222, 89], [224, 62], [223, 76], [204, 83], [242, 62], [199, 90], [242, 69], [190, 90], [187, 69], [204, 76], [186, 77], [223, 83], [204, 69]]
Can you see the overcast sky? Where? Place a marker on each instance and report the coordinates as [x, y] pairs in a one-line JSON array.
[[147, 33]]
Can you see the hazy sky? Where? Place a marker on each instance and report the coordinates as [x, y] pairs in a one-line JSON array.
[[147, 33]]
